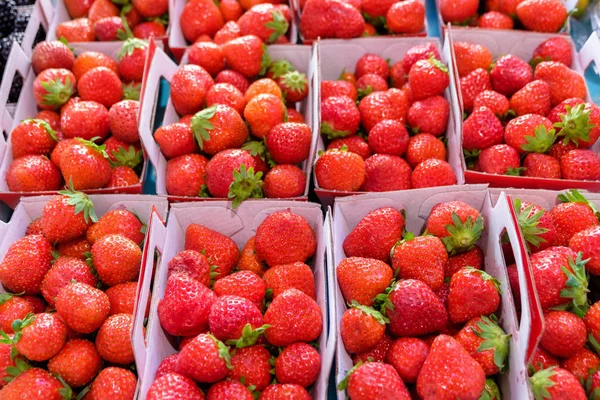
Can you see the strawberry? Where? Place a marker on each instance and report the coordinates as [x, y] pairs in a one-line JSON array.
[[102, 9], [542, 15], [64, 271], [583, 241], [218, 128], [533, 98], [35, 383], [284, 181], [167, 366], [294, 85], [78, 9], [199, 18], [175, 140], [263, 112], [337, 89], [564, 82], [25, 264], [266, 21], [554, 383], [283, 238], [229, 389], [218, 248], [62, 217], [541, 166], [230, 174], [361, 279], [289, 142], [252, 364], [385, 172], [432, 173], [472, 258], [422, 258], [374, 9], [428, 78], [340, 170], [406, 17], [82, 307], [372, 64], [339, 117], [458, 225], [424, 146], [592, 320], [174, 384], [51, 54], [185, 175], [236, 320], [469, 283], [53, 87], [204, 359], [234, 78], [481, 130], [52, 118], [75, 248], [255, 58], [192, 263], [231, 10], [120, 221], [226, 94], [85, 165], [244, 284], [579, 123], [33, 173], [102, 85], [109, 29], [377, 106], [151, 9], [530, 132], [370, 83], [113, 340], [459, 13], [185, 315], [510, 74], [419, 52], [77, 30], [89, 60], [495, 20], [355, 144], [116, 259], [12, 308], [429, 115], [189, 86], [553, 49], [374, 379], [377, 353], [262, 86], [77, 363], [574, 214], [535, 224], [298, 363], [495, 101], [149, 29], [541, 359], [86, 120], [580, 165], [277, 391], [114, 383], [407, 356], [486, 342], [343, 20], [581, 363], [471, 85], [39, 328], [406, 304], [123, 120], [122, 298], [286, 276], [131, 59], [361, 328], [449, 372], [6, 362], [499, 159]]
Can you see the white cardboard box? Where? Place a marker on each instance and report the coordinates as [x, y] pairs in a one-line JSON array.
[[348, 211], [239, 224], [159, 65]]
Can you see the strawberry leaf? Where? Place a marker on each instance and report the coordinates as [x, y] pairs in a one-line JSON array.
[[201, 125], [278, 25]]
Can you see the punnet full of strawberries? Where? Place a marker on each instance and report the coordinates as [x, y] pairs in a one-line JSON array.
[[106, 20], [529, 119], [246, 322], [66, 316], [344, 19], [85, 134], [385, 125], [240, 135], [420, 321]]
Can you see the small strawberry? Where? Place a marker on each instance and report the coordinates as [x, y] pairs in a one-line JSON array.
[[564, 82], [77, 30], [218, 248], [263, 112], [12, 308], [192, 263], [109, 29], [122, 222], [77, 363], [574, 214], [116, 259], [424, 146], [370, 83], [386, 173], [580, 165], [114, 383], [592, 320], [354, 144], [226, 94], [122, 298], [294, 85], [189, 86], [63, 219], [51, 54], [284, 181], [553, 49], [151, 9], [277, 391], [510, 74], [123, 121], [429, 115], [299, 364], [174, 384], [85, 165], [231, 10], [102, 9], [458, 225], [431, 173], [33, 173], [428, 78], [149, 29], [541, 166], [581, 364], [374, 379], [361, 328], [205, 359], [361, 279], [472, 258], [579, 123], [218, 128], [339, 117], [459, 13], [287, 276], [495, 101], [389, 137], [406, 17], [246, 55], [82, 307], [175, 140], [481, 130], [185, 175], [530, 133], [468, 282], [252, 364], [541, 359], [535, 224], [234, 78], [266, 21], [92, 59], [113, 340], [419, 52], [53, 87], [422, 258], [533, 98], [377, 106], [244, 284], [199, 18], [289, 143], [236, 320], [39, 328], [338, 89], [230, 174], [495, 20], [407, 356], [85, 120], [36, 383], [554, 383], [372, 64], [25, 264], [229, 389], [471, 85], [486, 342], [499, 159], [340, 170], [377, 353], [132, 58], [542, 15]]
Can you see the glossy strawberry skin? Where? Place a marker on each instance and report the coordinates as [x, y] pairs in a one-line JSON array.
[[25, 264]]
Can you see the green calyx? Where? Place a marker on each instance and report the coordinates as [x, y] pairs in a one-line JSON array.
[[438, 64], [490, 391], [344, 383], [463, 236], [57, 92], [249, 336], [494, 338], [362, 93], [529, 225], [294, 81], [45, 125], [370, 311], [256, 148], [130, 46], [201, 125], [515, 171], [573, 196], [541, 381], [471, 157], [127, 157], [382, 301], [17, 326], [66, 392], [246, 184], [575, 124], [278, 25], [4, 297], [223, 351], [131, 91], [577, 285], [265, 60], [100, 148], [279, 68], [541, 142], [16, 370], [331, 133], [82, 203]]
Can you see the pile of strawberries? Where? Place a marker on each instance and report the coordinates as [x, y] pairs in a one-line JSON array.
[[524, 120], [533, 15], [107, 20], [65, 324], [208, 21], [420, 320], [564, 243], [365, 119], [238, 108], [86, 134], [346, 19], [243, 319]]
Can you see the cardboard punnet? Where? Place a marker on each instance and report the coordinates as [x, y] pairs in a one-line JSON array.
[[159, 65], [27, 108], [177, 42], [417, 204], [336, 55], [522, 45], [239, 224]]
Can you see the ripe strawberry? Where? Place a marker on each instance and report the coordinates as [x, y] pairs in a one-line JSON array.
[[114, 383], [122, 298], [77, 30], [458, 225], [33, 173], [262, 86], [229, 389], [40, 328], [361, 328], [102, 9], [541, 166], [499, 159], [389, 137], [428, 78], [533, 98], [361, 279], [12, 308], [235, 319], [377, 106], [116, 259], [407, 356], [175, 140], [340, 170], [446, 362], [82, 307], [244, 284], [252, 363], [584, 241], [185, 175], [64, 271], [234, 78], [287, 276], [422, 258], [85, 165], [553, 49], [510, 74], [218, 128], [63, 219], [495, 20], [481, 130], [167, 366], [471, 85], [407, 303], [580, 165], [75, 248], [51, 54], [255, 58], [189, 86], [277, 391], [370, 83], [89, 60], [199, 18], [192, 263], [374, 379], [78, 9], [354, 144], [573, 215], [541, 359], [419, 52], [263, 112], [53, 87], [219, 249], [123, 121], [486, 342], [464, 284], [294, 85], [122, 222], [577, 122], [555, 383], [132, 58], [77, 363], [495, 101], [592, 320], [226, 94], [337, 89], [109, 29], [459, 13], [344, 21], [6, 362], [372, 64], [85, 120], [431, 173], [149, 29], [205, 359], [34, 383], [230, 174], [339, 117], [581, 363], [530, 132], [174, 384], [424, 146], [564, 82], [284, 181], [385, 173], [298, 363], [377, 353], [113, 341], [429, 115], [151, 9], [25, 264], [266, 21], [472, 258], [542, 15], [289, 142], [406, 17], [231, 10], [536, 225]]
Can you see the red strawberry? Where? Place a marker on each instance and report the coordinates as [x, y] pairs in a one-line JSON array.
[[371, 83], [246, 55], [458, 12], [429, 115], [174, 384], [407, 356], [85, 165], [542, 15], [25, 264], [122, 298], [499, 159], [113, 340], [149, 29], [132, 58], [175, 140], [584, 241], [189, 86], [231, 10], [580, 165], [431, 173], [102, 9], [40, 328], [295, 86], [234, 78], [536, 225], [117, 259], [495, 101], [34, 383], [343, 20], [192, 263], [581, 363], [231, 174], [374, 379], [78, 9], [298, 363], [102, 85], [377, 106], [553, 49], [385, 173], [286, 276], [424, 146], [218, 248], [228, 389], [235, 319], [406, 17], [422, 258], [226, 94], [289, 142], [244, 284], [377, 353], [486, 342], [541, 166], [337, 89], [82, 307], [229, 31], [510, 74], [284, 181], [555, 383], [185, 175], [464, 284], [576, 121], [361, 279], [122, 222], [53, 87], [86, 120], [541, 359], [12, 308], [481, 130], [108, 29], [398, 76], [372, 64], [530, 132], [361, 328], [564, 82], [428, 78], [32, 136], [33, 173], [264, 112], [419, 52], [389, 137], [114, 383], [472, 258], [471, 85], [77, 30], [355, 144], [64, 271], [63, 219], [278, 391], [495, 20], [123, 121], [339, 117], [199, 18], [218, 128], [573, 215], [251, 363], [533, 98], [77, 363], [266, 21], [458, 225]]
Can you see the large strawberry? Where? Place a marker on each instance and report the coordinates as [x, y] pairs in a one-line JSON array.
[[428, 78], [253, 364], [231, 174], [53, 87], [458, 225], [389, 137], [235, 319], [556, 383], [530, 133], [471, 85], [286, 276], [429, 115], [553, 49], [580, 165], [458, 12], [289, 142], [220, 250], [340, 169], [361, 279], [33, 173], [189, 86], [585, 242], [338, 88], [361, 328], [219, 128], [266, 21], [229, 389], [82, 307], [76, 30], [422, 258], [481, 130], [67, 217], [35, 383], [77, 363], [564, 333], [123, 121], [575, 213], [541, 166], [100, 84], [39, 328], [339, 117], [468, 284], [499, 159], [246, 55], [174, 384], [374, 379], [85, 165], [330, 19], [577, 121], [384, 172], [510, 74], [185, 175], [244, 284], [298, 363], [32, 136], [536, 225], [424, 146], [113, 340], [199, 18], [533, 98], [85, 120], [263, 112], [378, 106], [117, 259], [120, 221], [407, 356], [542, 15], [285, 390], [25, 264], [564, 82], [65, 270], [113, 382], [205, 359]]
